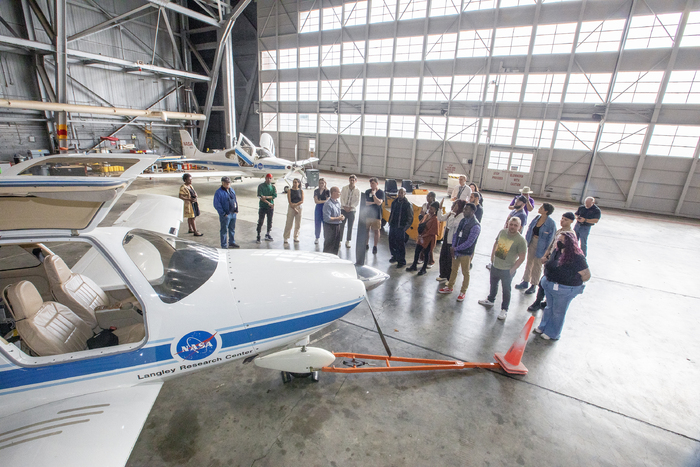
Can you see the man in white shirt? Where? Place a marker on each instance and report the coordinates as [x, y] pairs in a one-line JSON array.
[[462, 191], [349, 200]]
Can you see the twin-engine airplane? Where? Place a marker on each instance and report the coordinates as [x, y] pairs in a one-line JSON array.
[[99, 318]]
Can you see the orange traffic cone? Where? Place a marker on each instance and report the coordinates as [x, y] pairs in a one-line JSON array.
[[510, 362]]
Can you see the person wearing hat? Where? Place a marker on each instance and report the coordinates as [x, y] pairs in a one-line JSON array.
[[530, 203], [267, 194], [567, 219], [226, 205]]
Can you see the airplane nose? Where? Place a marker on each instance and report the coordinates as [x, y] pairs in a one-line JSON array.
[[371, 278]]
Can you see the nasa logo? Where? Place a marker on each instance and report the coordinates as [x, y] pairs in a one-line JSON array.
[[260, 166], [196, 345], [187, 143]]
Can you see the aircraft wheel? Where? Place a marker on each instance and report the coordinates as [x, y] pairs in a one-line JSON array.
[[286, 377]]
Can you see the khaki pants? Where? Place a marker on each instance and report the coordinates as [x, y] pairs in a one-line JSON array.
[[463, 262], [533, 266], [292, 217]]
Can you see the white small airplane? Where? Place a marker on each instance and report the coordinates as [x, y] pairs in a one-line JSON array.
[[243, 160], [161, 307]]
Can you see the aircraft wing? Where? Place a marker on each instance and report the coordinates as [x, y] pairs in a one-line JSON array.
[[198, 174], [94, 429], [308, 161]]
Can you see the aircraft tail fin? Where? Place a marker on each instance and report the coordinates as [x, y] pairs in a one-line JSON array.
[[189, 150]]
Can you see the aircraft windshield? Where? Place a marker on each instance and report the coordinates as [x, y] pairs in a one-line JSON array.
[[175, 268]]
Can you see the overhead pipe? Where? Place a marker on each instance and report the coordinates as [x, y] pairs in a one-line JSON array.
[[91, 109]]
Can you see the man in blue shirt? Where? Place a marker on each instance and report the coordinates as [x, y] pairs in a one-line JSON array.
[[226, 205], [332, 218]]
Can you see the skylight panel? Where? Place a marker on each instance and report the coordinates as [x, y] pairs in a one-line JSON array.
[[355, 13], [474, 5], [509, 87], [308, 90], [622, 137], [269, 91], [307, 123], [353, 52], [468, 87], [330, 55], [332, 18], [269, 121], [430, 127], [652, 31], [375, 125], [588, 88], [288, 58], [409, 48], [535, 133], [350, 124], [308, 57], [544, 87], [512, 41], [600, 36], [554, 38], [474, 43], [378, 89], [683, 87], [637, 87], [288, 122], [691, 33], [436, 88], [288, 91], [328, 124], [330, 90], [674, 140], [576, 135], [405, 89], [502, 131], [380, 50], [441, 47], [309, 21], [268, 60], [351, 89], [402, 126], [382, 11], [462, 129], [412, 9], [444, 7]]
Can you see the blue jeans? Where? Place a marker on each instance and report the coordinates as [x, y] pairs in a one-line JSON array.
[[228, 224], [582, 232], [557, 303], [318, 219]]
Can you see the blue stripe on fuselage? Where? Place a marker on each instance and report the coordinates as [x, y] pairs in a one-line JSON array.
[[161, 353], [233, 164]]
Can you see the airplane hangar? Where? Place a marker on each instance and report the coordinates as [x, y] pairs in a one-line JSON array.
[[570, 98]]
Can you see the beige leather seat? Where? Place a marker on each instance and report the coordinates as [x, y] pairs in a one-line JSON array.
[[82, 295], [48, 328]]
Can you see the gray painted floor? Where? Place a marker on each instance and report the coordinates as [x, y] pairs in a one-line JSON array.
[[619, 388]]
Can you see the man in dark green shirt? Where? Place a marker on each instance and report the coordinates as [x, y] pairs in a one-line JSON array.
[[267, 194]]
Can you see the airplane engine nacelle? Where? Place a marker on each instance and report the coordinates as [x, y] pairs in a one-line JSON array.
[[297, 360]]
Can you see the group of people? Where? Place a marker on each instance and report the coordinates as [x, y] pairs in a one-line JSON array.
[[555, 259]]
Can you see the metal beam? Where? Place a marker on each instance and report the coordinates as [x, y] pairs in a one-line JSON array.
[[177, 60], [110, 23], [689, 178], [48, 48], [186, 11], [250, 88], [9, 28], [229, 94], [199, 57], [42, 19]]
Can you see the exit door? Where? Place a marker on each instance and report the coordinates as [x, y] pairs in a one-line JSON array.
[[508, 170]]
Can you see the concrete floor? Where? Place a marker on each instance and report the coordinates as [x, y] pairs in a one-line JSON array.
[[619, 388]]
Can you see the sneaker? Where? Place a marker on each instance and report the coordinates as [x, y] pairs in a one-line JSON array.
[[411, 269], [286, 241], [488, 266], [460, 297], [522, 285], [422, 272], [486, 302], [374, 250], [268, 238], [296, 240], [316, 242], [392, 260], [234, 245], [441, 279], [503, 314], [537, 331], [531, 290], [534, 307], [257, 240], [347, 244], [445, 290], [430, 266], [545, 336]]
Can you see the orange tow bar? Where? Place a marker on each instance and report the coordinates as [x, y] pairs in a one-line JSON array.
[[510, 362]]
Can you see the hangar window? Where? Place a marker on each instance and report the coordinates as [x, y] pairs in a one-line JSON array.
[[380, 50], [468, 87], [350, 124], [355, 13], [288, 91], [622, 137], [474, 43], [269, 91], [652, 31], [512, 41], [288, 59], [353, 52], [473, 5], [436, 88], [328, 123], [382, 11], [308, 57], [462, 129], [405, 89], [288, 122], [441, 47], [674, 140], [378, 89], [268, 59], [691, 33], [402, 126], [544, 87], [535, 133], [332, 18], [444, 7], [502, 131], [309, 21], [600, 36], [576, 135], [269, 121], [554, 38], [330, 55], [509, 87], [588, 88], [307, 123], [498, 160], [329, 90], [351, 89], [637, 87], [409, 48], [683, 88], [308, 90], [431, 128], [411, 9], [375, 125], [512, 3]]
